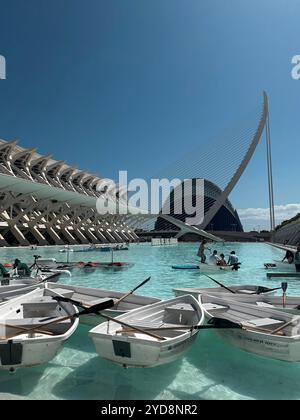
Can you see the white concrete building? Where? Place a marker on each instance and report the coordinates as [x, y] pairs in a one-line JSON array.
[[44, 201]]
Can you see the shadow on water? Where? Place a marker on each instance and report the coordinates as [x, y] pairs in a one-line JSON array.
[[245, 374], [113, 382], [22, 382], [80, 340], [26, 380]]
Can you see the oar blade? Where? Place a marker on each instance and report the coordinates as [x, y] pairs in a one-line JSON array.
[[98, 307], [284, 286], [142, 284], [220, 284], [223, 323], [67, 300]]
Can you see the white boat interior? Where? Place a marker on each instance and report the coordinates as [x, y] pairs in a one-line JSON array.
[[33, 310], [174, 314], [244, 289], [252, 317]]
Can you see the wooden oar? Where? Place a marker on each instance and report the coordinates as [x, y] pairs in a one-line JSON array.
[[24, 329], [262, 289], [220, 323], [285, 325], [83, 305], [220, 284], [141, 330], [133, 328], [74, 302], [131, 291], [92, 309]]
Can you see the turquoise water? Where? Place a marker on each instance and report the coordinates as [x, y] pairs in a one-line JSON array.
[[212, 369]]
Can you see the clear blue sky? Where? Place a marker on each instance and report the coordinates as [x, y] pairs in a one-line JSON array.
[[133, 84]]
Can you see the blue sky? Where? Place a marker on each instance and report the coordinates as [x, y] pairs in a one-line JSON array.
[[134, 84]]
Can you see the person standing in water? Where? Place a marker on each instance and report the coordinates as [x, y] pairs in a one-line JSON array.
[[233, 259], [297, 259], [201, 251], [222, 261], [214, 259], [289, 256]]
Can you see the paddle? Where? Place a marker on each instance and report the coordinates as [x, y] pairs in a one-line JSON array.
[[131, 291], [269, 265], [93, 309], [69, 300], [284, 287], [262, 289], [220, 284], [213, 323]]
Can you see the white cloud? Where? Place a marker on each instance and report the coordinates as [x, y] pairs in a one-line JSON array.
[[282, 212]]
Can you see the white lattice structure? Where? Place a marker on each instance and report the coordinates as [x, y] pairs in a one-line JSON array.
[[45, 201]]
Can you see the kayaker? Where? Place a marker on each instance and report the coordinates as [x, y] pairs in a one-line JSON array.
[[21, 268], [297, 259]]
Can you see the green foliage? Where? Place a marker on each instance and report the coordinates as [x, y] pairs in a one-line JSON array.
[[286, 222]]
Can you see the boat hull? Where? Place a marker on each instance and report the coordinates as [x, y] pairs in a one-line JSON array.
[[29, 352], [274, 347], [142, 355], [23, 341], [169, 324]]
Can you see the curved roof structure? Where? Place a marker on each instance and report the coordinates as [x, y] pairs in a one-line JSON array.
[[222, 159], [225, 219]]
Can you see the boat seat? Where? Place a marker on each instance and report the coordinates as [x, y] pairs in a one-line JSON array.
[[41, 308], [262, 322], [37, 323], [64, 292], [179, 313], [213, 306], [264, 305], [143, 323], [246, 291], [180, 306]]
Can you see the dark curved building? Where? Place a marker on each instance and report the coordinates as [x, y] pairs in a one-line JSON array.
[[226, 218]]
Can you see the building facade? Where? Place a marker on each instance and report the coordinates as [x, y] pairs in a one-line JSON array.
[[44, 201], [225, 219]]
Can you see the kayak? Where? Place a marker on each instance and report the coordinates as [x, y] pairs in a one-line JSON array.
[[205, 268], [186, 267]]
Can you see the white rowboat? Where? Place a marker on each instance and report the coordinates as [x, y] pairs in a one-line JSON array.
[[291, 304], [259, 331], [135, 348], [244, 289], [31, 312]]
